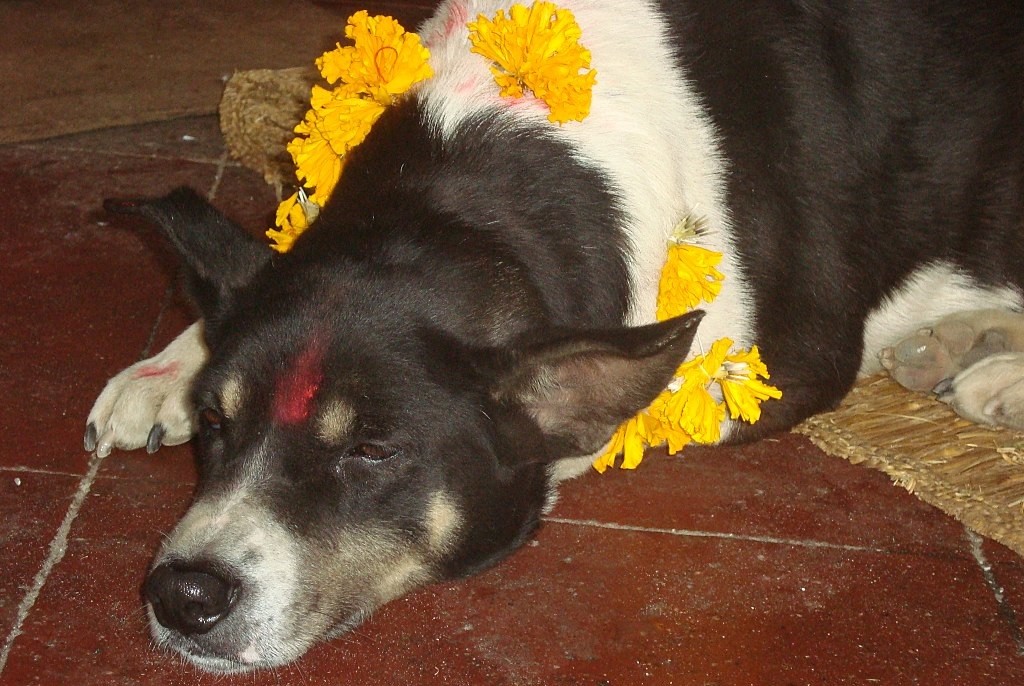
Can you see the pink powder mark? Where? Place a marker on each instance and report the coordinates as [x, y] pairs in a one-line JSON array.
[[296, 388], [524, 103], [458, 17], [150, 371], [468, 86]]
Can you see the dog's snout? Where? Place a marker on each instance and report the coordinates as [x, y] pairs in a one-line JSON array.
[[190, 599]]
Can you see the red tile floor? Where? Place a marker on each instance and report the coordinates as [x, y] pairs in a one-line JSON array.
[[766, 564]]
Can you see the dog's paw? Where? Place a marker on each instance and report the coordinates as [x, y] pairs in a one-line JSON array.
[[148, 404], [989, 392], [918, 362]]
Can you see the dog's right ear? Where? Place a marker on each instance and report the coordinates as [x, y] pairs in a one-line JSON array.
[[219, 256]]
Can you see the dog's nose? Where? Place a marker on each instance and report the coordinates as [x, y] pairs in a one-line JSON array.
[[190, 599]]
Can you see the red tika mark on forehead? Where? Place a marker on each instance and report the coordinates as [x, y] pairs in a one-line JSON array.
[[297, 386]]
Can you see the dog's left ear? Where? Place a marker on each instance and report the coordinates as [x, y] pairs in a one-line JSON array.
[[219, 256], [579, 389]]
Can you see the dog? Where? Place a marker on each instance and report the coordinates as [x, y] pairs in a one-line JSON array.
[[394, 401]]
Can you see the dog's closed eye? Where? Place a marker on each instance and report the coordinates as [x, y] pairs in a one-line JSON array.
[[373, 452]]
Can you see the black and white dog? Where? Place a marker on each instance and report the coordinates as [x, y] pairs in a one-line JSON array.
[[393, 401]]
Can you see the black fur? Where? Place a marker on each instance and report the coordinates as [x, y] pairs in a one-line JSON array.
[[469, 297], [864, 140]]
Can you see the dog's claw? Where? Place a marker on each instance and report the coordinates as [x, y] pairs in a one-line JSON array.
[[943, 387], [90, 437], [156, 438]]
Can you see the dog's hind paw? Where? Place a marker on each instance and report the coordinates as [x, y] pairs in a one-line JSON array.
[[990, 391], [918, 362], [148, 404]]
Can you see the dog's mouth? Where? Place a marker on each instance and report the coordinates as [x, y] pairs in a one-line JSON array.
[[209, 662], [239, 644], [195, 650], [227, 654]]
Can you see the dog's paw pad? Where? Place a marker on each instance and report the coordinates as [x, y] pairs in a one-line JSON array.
[[918, 362]]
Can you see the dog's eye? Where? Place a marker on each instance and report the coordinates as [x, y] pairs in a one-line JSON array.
[[211, 419], [374, 451]]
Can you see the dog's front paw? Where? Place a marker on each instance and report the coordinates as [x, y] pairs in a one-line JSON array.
[[148, 404], [990, 391]]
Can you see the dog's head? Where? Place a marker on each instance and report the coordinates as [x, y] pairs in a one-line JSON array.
[[353, 444]]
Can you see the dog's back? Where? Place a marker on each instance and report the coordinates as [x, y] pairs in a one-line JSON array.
[[875, 155]]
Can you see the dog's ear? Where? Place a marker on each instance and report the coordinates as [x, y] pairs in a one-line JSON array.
[[219, 257], [579, 389]]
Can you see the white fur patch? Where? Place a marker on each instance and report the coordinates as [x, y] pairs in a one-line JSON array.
[[929, 294], [154, 391], [641, 102]]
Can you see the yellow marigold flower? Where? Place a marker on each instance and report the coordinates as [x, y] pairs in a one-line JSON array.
[[344, 120], [631, 440], [294, 216], [383, 62], [317, 165], [537, 49], [670, 432], [692, 407], [688, 278], [688, 411], [743, 390]]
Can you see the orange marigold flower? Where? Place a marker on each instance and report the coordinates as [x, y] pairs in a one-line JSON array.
[[383, 62], [537, 49]]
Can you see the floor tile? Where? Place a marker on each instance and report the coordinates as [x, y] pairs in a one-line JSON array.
[[1006, 569], [82, 296], [782, 487], [33, 505], [584, 605], [89, 618]]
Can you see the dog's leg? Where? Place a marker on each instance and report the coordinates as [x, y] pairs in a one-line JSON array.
[[989, 392], [148, 404]]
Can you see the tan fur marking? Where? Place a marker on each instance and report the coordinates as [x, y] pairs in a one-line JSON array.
[[335, 421], [404, 574], [443, 520], [231, 397]]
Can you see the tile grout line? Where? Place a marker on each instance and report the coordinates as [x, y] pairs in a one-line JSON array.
[[1003, 608], [59, 543], [690, 533], [58, 546], [218, 176], [22, 469]]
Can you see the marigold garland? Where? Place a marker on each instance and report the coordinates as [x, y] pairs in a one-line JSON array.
[[537, 49], [383, 62], [687, 411]]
